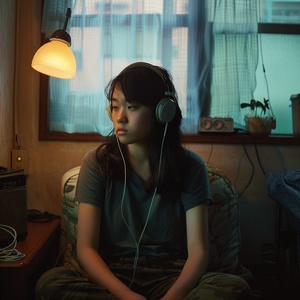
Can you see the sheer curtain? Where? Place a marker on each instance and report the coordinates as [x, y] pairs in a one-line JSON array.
[[209, 47], [235, 56]]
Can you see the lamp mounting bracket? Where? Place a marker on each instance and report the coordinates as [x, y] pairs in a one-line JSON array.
[[68, 15]]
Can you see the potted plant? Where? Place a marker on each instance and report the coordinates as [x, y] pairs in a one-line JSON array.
[[259, 123]]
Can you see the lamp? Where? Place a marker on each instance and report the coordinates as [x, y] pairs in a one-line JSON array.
[[55, 58]]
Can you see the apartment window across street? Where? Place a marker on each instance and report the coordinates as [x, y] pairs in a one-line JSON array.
[[220, 54]]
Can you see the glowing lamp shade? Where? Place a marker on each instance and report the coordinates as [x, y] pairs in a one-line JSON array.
[[55, 59]]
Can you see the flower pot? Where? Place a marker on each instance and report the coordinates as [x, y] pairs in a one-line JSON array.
[[259, 125]]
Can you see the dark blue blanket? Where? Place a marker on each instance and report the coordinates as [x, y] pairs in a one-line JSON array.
[[284, 187]]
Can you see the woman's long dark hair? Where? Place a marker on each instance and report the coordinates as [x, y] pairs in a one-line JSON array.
[[147, 84]]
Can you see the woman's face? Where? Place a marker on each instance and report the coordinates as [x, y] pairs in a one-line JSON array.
[[132, 121]]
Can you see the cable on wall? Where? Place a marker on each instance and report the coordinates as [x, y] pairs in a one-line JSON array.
[[210, 153], [263, 65], [259, 161], [16, 76], [252, 172]]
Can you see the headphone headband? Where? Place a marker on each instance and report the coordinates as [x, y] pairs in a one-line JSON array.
[[155, 69]]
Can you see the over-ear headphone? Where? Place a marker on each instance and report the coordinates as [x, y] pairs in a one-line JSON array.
[[166, 107]]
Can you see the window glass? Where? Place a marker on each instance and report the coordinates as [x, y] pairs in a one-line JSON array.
[[276, 11], [280, 55]]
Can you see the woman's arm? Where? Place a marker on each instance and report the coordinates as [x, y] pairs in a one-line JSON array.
[[88, 232], [197, 243]]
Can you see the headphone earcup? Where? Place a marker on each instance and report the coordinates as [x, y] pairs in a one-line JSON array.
[[165, 110], [109, 112]]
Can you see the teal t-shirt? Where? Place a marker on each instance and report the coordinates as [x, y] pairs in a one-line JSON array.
[[165, 234]]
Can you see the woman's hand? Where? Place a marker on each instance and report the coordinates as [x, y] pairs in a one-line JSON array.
[[130, 295]]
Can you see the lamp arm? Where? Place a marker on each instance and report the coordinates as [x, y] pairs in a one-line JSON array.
[[68, 15], [62, 34]]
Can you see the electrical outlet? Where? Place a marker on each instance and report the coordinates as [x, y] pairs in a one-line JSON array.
[[19, 160]]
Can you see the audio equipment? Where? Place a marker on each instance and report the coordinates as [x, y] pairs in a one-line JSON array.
[[13, 212], [137, 242], [207, 124], [166, 107], [12, 178], [13, 203]]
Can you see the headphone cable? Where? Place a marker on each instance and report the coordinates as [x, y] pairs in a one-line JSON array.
[[137, 243]]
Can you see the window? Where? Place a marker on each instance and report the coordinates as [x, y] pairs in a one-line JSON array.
[[75, 109], [279, 54], [107, 36]]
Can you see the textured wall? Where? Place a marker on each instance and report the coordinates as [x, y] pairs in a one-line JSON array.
[[7, 71]]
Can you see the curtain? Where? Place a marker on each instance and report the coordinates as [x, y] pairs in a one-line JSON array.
[[235, 56], [209, 47]]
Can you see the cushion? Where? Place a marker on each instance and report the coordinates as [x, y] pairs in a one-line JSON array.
[[70, 208], [224, 229]]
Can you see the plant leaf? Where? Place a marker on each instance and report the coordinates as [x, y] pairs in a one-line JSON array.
[[259, 104], [253, 104], [266, 103], [243, 105]]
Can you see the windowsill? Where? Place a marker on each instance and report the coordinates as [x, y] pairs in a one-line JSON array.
[[242, 138], [216, 138]]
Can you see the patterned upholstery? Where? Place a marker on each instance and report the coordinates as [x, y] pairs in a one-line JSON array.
[[69, 206], [223, 219], [224, 226]]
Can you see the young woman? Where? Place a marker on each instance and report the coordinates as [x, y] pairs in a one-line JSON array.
[[142, 214]]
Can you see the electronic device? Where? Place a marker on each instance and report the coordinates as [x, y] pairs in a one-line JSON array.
[[166, 107], [13, 203], [12, 178], [207, 124]]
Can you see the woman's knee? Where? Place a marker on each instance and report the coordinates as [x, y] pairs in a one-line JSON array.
[[217, 286], [48, 284], [68, 283]]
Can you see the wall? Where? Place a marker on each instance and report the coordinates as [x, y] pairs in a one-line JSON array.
[[7, 71], [258, 213], [49, 160]]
